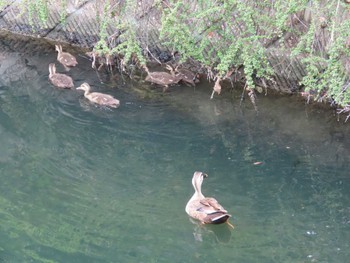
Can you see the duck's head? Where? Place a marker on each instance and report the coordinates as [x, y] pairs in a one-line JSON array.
[[197, 179], [85, 86]]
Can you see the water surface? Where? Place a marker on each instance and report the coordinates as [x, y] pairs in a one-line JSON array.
[[80, 183]]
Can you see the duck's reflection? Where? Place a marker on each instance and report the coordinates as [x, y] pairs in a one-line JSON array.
[[221, 232]]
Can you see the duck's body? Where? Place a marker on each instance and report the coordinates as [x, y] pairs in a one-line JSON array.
[[99, 98], [65, 58], [162, 78], [187, 76], [59, 80], [205, 209]]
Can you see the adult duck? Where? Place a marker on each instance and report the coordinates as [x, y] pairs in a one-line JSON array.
[[65, 58], [59, 80], [205, 209], [99, 98]]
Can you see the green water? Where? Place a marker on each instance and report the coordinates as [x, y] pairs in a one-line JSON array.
[[81, 183]]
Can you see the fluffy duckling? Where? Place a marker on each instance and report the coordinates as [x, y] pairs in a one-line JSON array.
[[65, 58], [205, 209], [59, 80], [162, 78], [99, 98], [187, 76]]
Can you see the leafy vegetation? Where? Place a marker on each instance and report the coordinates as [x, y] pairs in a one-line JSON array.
[[36, 9], [127, 46], [325, 64], [223, 36]]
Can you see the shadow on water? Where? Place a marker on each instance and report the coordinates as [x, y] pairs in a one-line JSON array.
[[81, 183]]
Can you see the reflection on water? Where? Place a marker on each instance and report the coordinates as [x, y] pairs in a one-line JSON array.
[[81, 183]]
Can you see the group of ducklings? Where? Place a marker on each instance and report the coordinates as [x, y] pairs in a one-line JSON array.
[[159, 77], [66, 82]]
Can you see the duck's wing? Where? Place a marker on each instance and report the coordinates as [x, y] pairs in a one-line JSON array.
[[62, 81], [208, 211], [101, 96], [103, 99], [211, 205], [162, 78], [68, 59]]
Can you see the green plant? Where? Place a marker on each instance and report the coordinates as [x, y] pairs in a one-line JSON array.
[[35, 8], [63, 10], [326, 76], [228, 34], [3, 4], [127, 46]]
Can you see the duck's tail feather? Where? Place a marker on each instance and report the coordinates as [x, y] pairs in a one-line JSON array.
[[217, 218]]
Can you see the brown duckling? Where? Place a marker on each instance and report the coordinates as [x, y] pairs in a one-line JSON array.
[[205, 209], [187, 76], [162, 78], [101, 60], [59, 80], [65, 58], [217, 87], [99, 98]]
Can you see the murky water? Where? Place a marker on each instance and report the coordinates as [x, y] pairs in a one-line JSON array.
[[81, 183]]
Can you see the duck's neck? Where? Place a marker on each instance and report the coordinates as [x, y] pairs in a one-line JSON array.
[[86, 92], [197, 191]]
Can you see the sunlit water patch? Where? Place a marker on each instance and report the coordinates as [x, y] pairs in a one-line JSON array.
[[81, 183]]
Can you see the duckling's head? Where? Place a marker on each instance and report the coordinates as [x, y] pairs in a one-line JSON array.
[[52, 68], [85, 86]]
